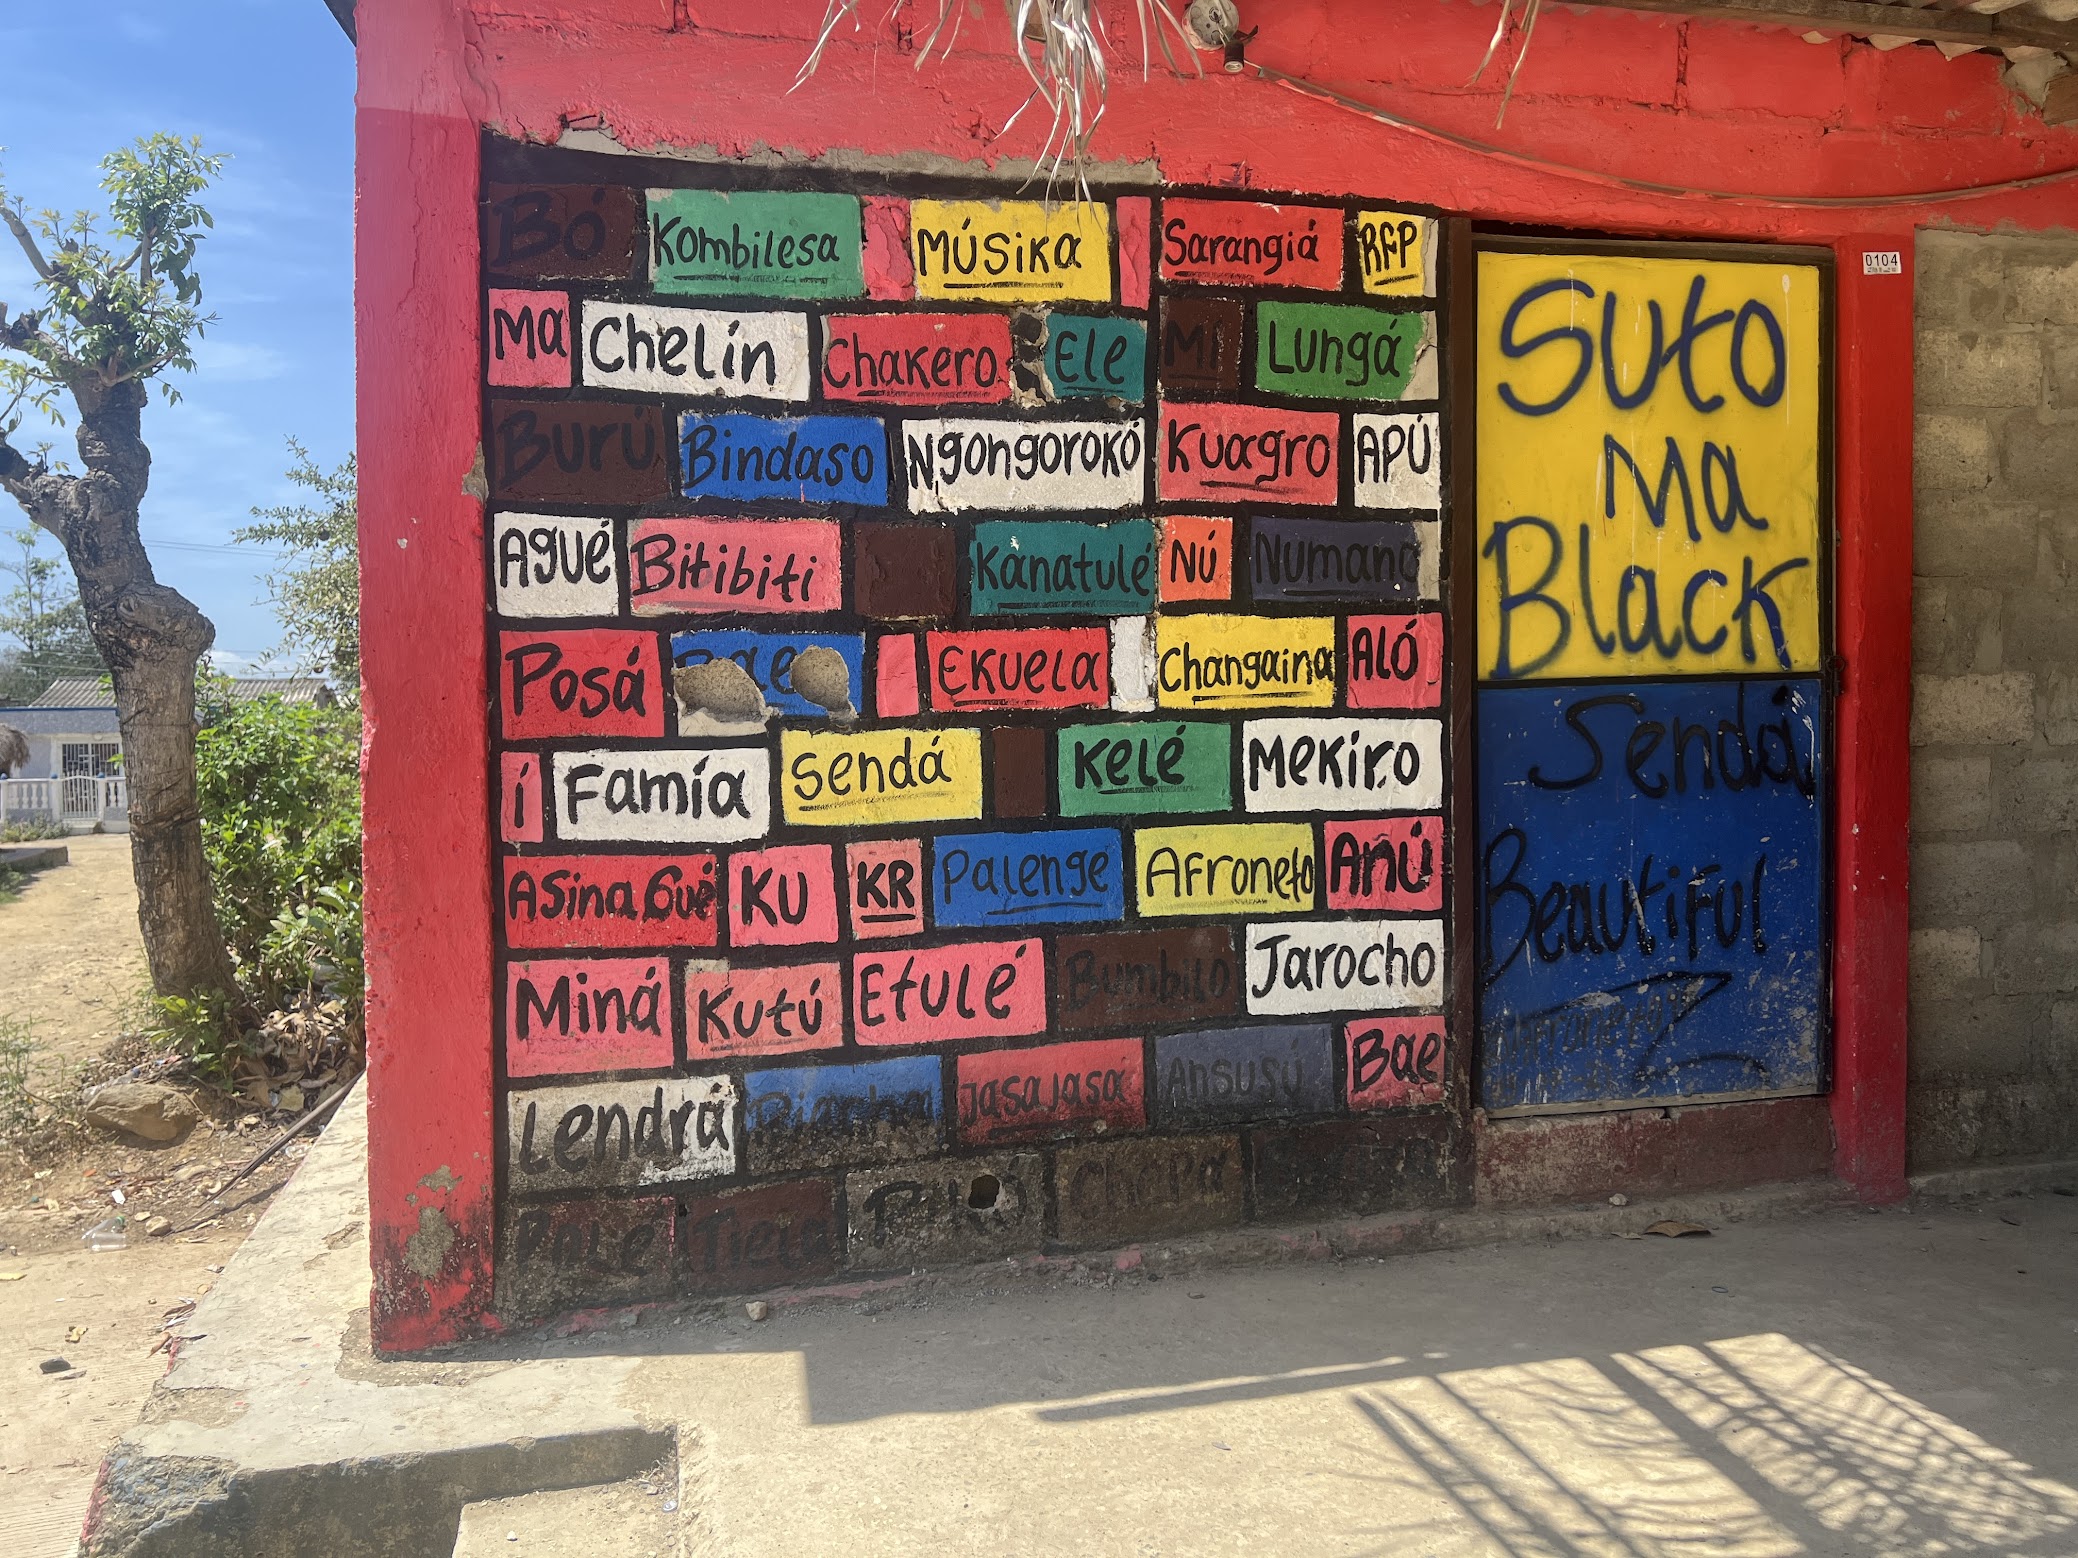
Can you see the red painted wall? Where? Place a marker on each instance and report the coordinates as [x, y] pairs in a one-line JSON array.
[[1624, 97]]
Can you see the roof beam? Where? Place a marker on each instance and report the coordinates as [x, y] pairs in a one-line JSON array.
[[2009, 29]]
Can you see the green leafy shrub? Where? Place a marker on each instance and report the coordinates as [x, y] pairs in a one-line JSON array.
[[30, 830], [279, 785]]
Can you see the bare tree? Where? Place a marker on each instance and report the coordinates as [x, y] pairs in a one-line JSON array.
[[119, 308]]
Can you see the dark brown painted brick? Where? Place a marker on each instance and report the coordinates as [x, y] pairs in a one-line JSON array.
[[766, 1236], [905, 573], [621, 451], [560, 232], [1017, 767], [1127, 979], [1198, 343]]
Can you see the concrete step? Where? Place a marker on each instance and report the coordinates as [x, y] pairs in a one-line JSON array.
[[633, 1519]]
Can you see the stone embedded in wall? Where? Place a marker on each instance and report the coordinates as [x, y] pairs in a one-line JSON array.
[[951, 1209], [1147, 1187]]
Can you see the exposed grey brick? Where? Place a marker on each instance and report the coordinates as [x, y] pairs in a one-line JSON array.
[[1978, 1037], [2035, 959], [2060, 350], [2036, 795], [1973, 710], [1969, 884], [2036, 458], [2041, 629], [1956, 628], [1951, 452], [2044, 293], [1951, 794], [1969, 537], [1960, 280], [2060, 708], [1943, 960], [1979, 368]]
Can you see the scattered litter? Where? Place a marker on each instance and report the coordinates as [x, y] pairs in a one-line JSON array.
[[12, 1276], [1619, 1199], [53, 1366], [1720, 1290], [2010, 1222], [1674, 1228], [108, 1234], [670, 1506], [512, 1536], [75, 1333], [116, 1195], [758, 1309]]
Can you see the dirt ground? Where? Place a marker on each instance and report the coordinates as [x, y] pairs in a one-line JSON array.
[[71, 958], [72, 962]]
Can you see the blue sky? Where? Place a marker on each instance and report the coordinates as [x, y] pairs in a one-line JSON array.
[[269, 83]]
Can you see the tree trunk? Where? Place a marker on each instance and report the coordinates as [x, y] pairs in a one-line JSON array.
[[151, 638]]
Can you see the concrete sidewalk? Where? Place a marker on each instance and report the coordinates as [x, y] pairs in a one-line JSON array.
[[1835, 1382]]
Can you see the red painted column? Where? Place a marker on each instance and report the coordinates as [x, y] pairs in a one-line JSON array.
[[1872, 765], [430, 1166]]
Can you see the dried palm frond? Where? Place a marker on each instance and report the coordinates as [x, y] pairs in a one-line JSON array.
[[1063, 46]]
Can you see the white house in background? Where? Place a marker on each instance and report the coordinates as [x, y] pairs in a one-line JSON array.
[[75, 769]]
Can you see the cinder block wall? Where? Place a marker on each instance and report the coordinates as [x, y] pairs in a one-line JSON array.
[[1994, 1015]]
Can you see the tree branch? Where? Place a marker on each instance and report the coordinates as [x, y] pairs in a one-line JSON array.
[[23, 237], [49, 498]]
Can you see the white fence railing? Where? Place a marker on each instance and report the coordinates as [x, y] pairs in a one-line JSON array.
[[76, 798]]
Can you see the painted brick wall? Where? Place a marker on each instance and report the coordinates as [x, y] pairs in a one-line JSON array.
[[1994, 1004]]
